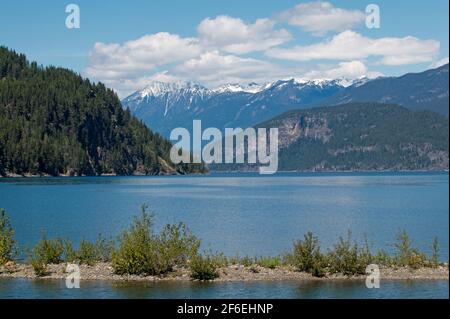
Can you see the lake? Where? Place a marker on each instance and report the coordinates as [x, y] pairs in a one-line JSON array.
[[238, 214]]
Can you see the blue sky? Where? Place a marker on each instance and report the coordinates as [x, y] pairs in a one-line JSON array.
[[282, 44]]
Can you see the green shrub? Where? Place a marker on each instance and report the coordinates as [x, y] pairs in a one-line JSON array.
[[435, 252], [384, 259], [345, 258], [49, 251], [6, 239], [406, 254], [87, 253], [365, 257], [105, 249], [203, 268], [269, 262], [39, 267], [141, 252], [177, 245], [306, 256], [70, 254], [137, 253]]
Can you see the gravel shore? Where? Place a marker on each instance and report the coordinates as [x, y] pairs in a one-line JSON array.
[[104, 271]]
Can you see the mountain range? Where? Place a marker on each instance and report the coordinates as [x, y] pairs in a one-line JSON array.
[[417, 91], [164, 106]]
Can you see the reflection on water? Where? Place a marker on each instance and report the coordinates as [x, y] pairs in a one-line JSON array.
[[22, 288]]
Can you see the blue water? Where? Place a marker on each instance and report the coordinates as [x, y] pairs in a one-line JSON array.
[[240, 214], [23, 288]]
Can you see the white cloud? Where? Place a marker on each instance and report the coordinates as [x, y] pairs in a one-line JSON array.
[[348, 70], [439, 63], [215, 68], [350, 45], [215, 55], [321, 17], [233, 35], [113, 61]]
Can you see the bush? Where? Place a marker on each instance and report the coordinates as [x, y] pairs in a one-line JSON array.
[[137, 252], [177, 245], [87, 253], [203, 268], [406, 254], [383, 258], [90, 253], [435, 253], [6, 239], [346, 259], [70, 255], [49, 251], [141, 252], [306, 256], [39, 267], [105, 249]]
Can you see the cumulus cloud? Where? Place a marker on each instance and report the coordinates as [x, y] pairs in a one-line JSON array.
[[350, 45], [233, 35], [220, 51], [113, 61], [321, 17], [215, 68], [349, 70]]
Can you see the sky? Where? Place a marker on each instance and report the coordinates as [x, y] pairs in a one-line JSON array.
[[129, 44]]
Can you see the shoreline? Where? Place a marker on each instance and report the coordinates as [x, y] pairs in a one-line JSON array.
[[26, 176], [231, 273]]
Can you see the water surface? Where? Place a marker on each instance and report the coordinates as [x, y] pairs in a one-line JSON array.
[[22, 288], [238, 214]]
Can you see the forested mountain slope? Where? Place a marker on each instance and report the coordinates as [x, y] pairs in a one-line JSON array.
[[54, 122]]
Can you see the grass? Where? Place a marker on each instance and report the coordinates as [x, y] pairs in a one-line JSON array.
[[269, 262], [139, 250]]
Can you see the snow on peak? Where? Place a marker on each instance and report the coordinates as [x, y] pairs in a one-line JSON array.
[[235, 87], [161, 88]]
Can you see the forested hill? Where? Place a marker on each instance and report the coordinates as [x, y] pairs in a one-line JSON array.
[[54, 122], [359, 137], [362, 136]]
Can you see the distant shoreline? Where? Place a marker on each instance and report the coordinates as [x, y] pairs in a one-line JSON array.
[[11, 176], [231, 273]]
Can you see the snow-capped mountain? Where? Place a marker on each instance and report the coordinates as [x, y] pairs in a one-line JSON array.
[[184, 94], [426, 90], [236, 87], [164, 106]]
